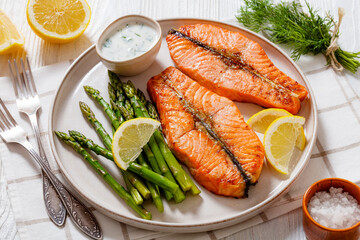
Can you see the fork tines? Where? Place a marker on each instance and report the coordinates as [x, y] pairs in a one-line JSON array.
[[6, 119], [21, 79]]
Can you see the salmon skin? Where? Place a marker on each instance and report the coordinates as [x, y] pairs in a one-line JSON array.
[[233, 66], [207, 133]]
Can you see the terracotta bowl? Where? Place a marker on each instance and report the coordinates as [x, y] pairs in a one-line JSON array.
[[315, 231]]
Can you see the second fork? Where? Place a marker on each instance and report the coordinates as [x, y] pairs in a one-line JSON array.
[[83, 218], [28, 102]]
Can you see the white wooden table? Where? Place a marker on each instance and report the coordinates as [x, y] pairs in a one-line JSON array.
[[288, 226]]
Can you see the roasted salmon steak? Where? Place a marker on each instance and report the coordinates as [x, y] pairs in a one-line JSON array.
[[233, 66], [207, 133]]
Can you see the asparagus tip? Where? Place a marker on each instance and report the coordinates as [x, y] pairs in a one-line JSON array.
[[63, 136], [112, 74], [60, 134], [85, 108], [130, 84], [78, 136], [90, 90]]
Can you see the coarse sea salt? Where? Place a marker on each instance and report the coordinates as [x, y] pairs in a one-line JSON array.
[[334, 209]]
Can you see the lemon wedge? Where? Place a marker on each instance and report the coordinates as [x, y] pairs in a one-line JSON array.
[[10, 38], [301, 140], [260, 121], [130, 138], [58, 21], [280, 140]]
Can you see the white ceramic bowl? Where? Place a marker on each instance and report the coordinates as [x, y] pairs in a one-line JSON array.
[[135, 65]]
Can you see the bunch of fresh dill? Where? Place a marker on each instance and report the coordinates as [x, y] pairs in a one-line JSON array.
[[287, 23]]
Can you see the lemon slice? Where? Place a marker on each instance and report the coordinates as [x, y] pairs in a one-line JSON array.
[[281, 138], [301, 140], [58, 21], [10, 38], [130, 138], [260, 121]]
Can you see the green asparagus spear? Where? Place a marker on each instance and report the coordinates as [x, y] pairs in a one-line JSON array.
[[105, 175], [165, 171], [85, 109], [154, 189], [120, 96], [130, 91], [113, 103], [157, 163], [141, 111], [137, 183], [128, 106], [127, 115], [145, 172], [159, 138], [121, 104], [148, 152], [95, 94], [133, 191], [151, 110], [127, 111], [174, 165], [141, 96], [151, 158], [116, 85]]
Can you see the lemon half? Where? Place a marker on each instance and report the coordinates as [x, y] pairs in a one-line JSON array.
[[130, 138], [58, 21]]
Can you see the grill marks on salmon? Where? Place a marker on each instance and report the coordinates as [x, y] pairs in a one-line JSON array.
[[248, 52], [208, 133], [240, 71]]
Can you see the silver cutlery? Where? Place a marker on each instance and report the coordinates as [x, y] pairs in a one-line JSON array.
[[82, 217], [28, 102]]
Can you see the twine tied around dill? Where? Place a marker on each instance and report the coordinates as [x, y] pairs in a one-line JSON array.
[[330, 51]]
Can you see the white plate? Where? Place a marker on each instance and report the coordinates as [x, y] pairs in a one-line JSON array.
[[197, 213]]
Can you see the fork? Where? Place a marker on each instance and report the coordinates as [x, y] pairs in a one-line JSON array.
[[82, 217], [28, 102]]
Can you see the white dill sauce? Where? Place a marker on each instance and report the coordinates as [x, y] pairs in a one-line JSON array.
[[129, 41]]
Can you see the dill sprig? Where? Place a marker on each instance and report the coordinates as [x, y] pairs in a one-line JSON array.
[[287, 23]]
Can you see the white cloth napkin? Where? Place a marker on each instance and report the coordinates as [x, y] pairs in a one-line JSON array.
[[7, 224], [336, 154]]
